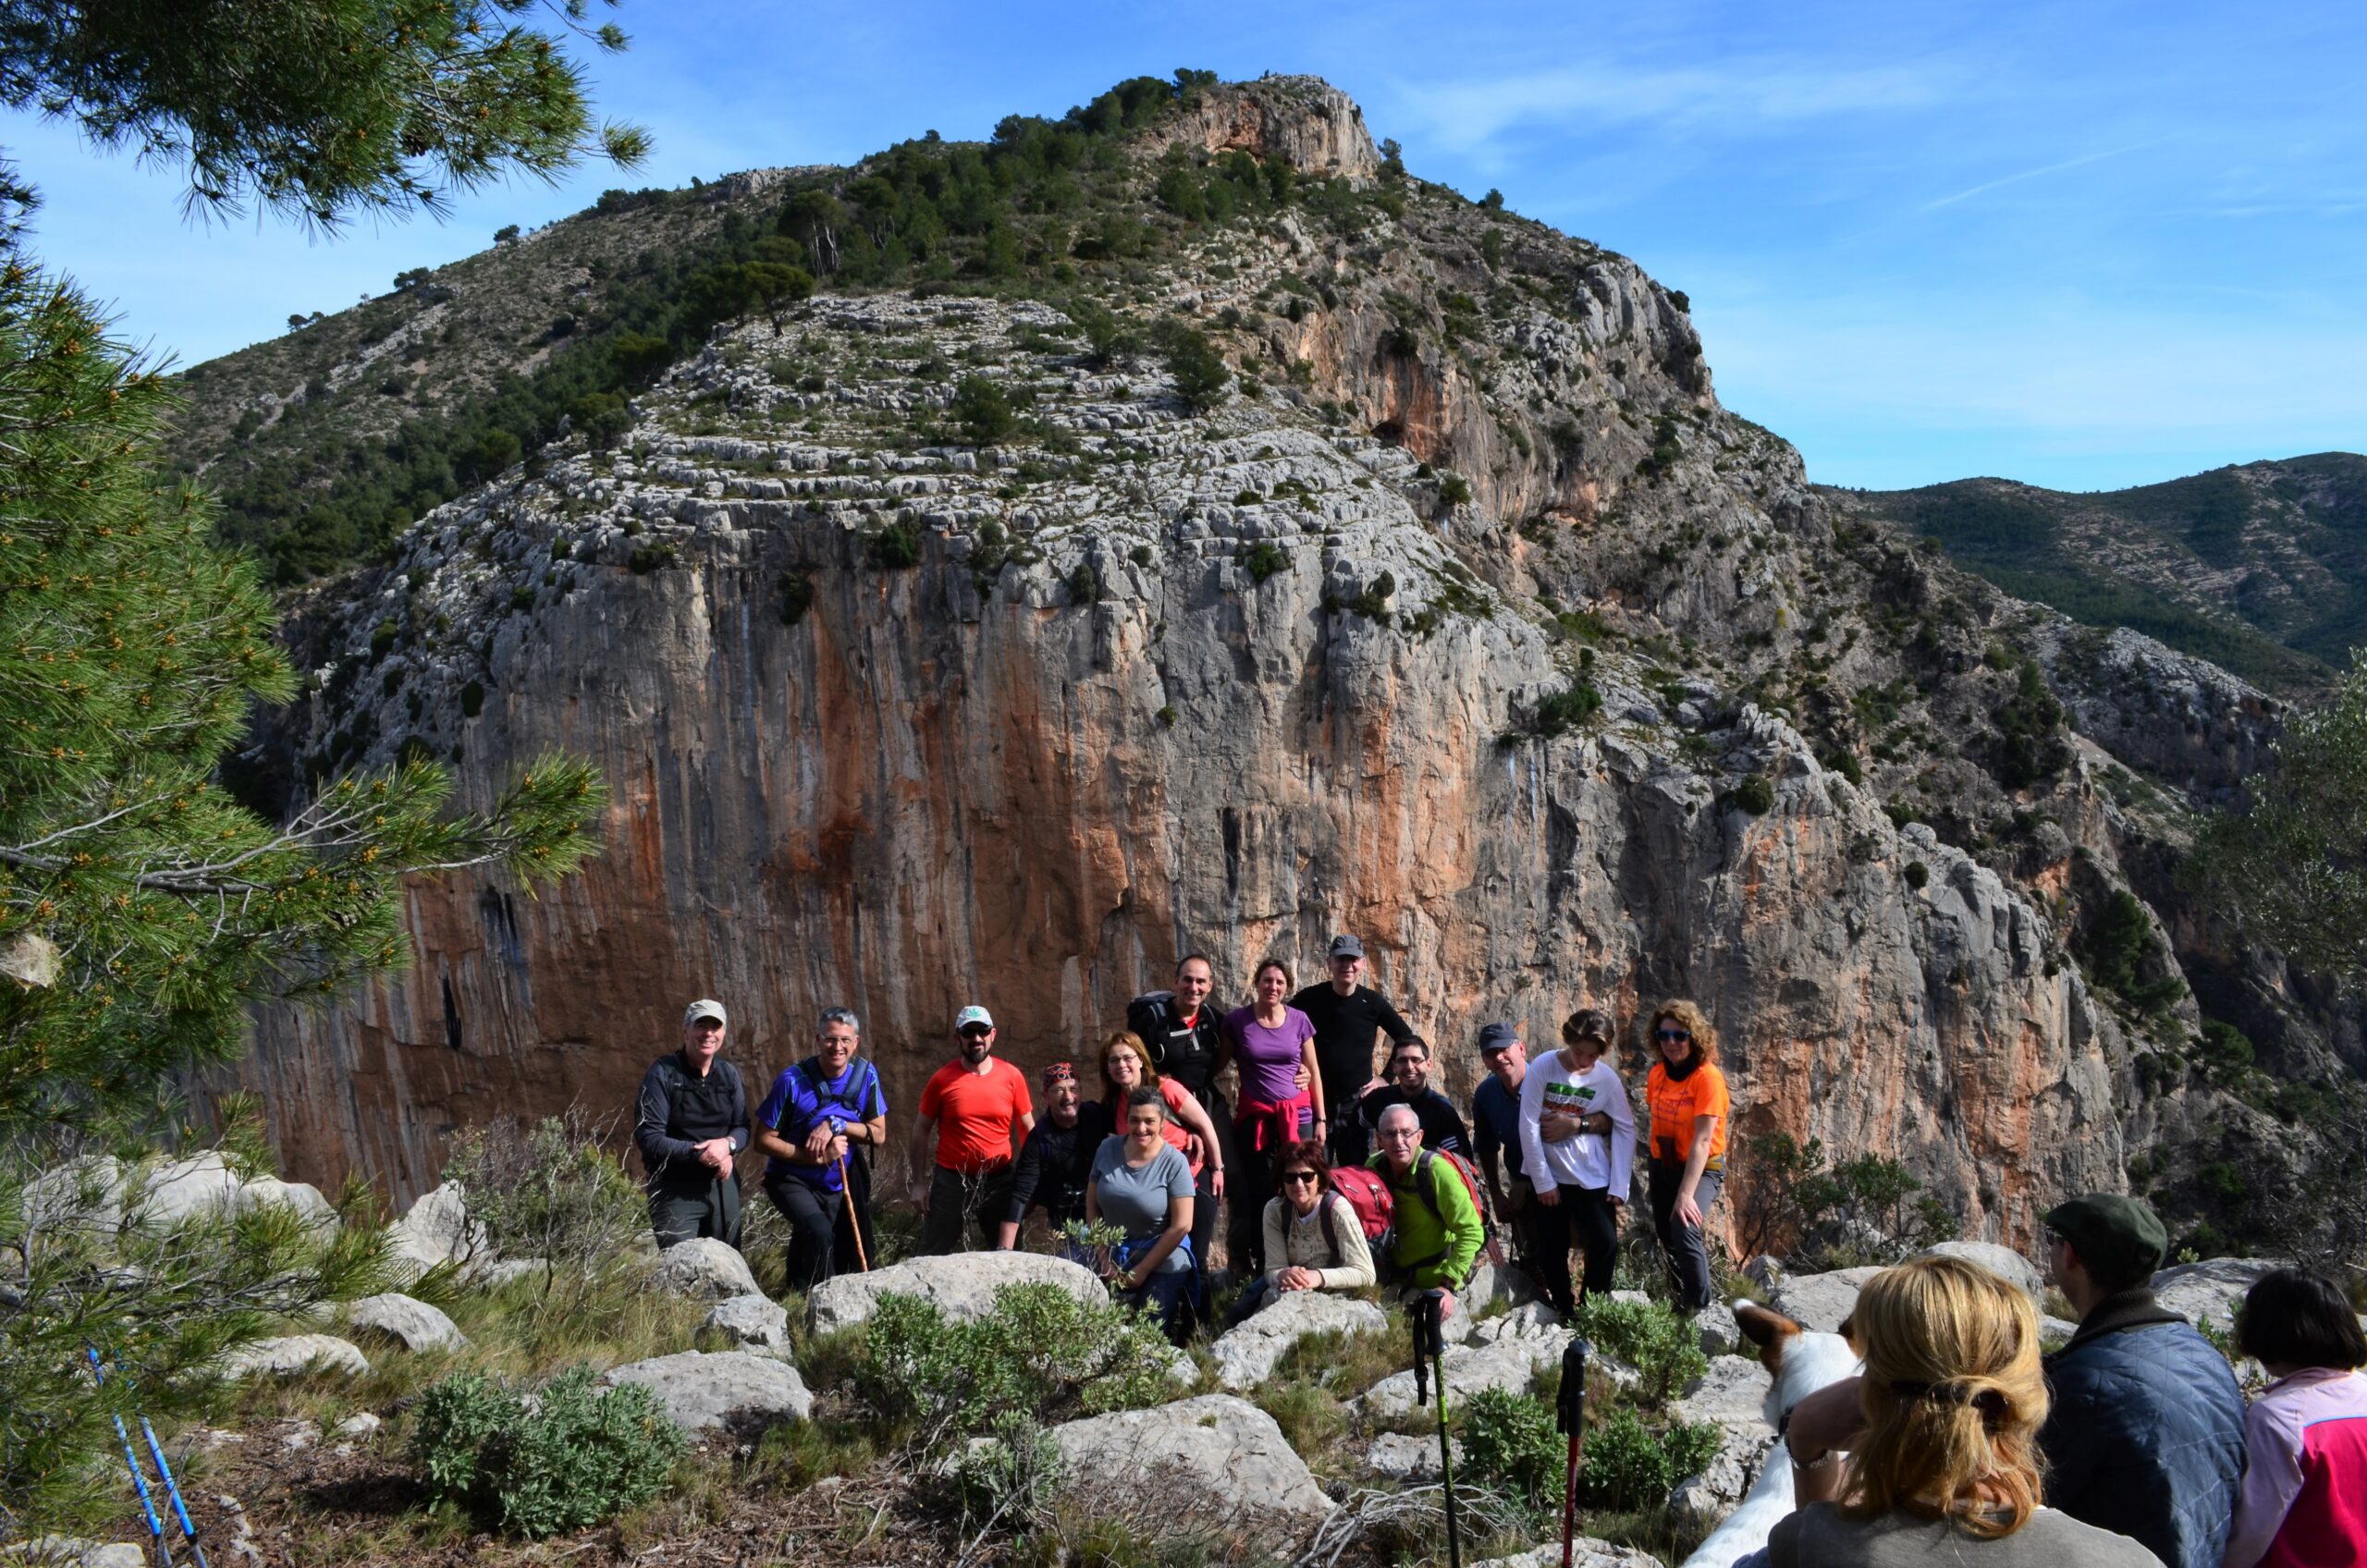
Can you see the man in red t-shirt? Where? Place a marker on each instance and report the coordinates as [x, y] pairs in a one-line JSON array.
[[974, 1113]]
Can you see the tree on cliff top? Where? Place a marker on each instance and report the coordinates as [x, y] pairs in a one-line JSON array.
[[315, 108]]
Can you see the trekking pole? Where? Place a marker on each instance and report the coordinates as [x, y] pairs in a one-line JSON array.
[[163, 1470], [1428, 1340], [846, 1191], [1570, 1419], [138, 1482]]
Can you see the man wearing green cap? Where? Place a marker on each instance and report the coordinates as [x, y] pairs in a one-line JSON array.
[[2146, 1436]]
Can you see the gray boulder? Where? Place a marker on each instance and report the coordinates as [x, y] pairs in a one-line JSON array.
[[1214, 1461], [1245, 1356], [84, 1195], [1701, 1503], [732, 1391], [1508, 1363], [2004, 1262], [67, 1551], [962, 1285], [1586, 1551], [1731, 1393], [413, 1324], [1820, 1301], [1397, 1456], [179, 1191], [1721, 1335], [434, 1230], [1531, 1320], [704, 1266], [2211, 1288], [753, 1322], [291, 1354], [319, 1215]]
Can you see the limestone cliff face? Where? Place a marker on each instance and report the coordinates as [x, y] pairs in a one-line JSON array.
[[1479, 631]]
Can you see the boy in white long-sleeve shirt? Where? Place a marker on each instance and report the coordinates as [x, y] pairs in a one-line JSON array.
[[1578, 1141]]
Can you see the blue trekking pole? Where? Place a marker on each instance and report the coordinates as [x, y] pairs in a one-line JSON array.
[[164, 1470]]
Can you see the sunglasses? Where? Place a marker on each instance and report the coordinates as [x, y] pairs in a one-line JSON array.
[[1680, 1036], [1293, 1178], [976, 1031]]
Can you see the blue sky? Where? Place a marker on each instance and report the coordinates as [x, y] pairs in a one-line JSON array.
[[2082, 245]]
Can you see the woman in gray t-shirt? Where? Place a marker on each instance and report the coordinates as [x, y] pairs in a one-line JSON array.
[[1141, 1184]]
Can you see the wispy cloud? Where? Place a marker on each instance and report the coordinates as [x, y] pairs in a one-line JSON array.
[[1986, 186], [1739, 96]]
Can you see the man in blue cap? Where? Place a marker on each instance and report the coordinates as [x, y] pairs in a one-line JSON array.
[[2146, 1434], [1495, 1140]]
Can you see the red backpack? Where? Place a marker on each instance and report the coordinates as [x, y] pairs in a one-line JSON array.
[[1368, 1197]]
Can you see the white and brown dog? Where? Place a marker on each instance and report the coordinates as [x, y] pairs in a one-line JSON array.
[[1802, 1362]]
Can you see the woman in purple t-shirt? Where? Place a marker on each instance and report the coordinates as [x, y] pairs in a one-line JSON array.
[[1274, 1045]]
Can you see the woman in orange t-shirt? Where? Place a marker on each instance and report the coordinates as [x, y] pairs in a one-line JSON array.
[[1687, 1095]]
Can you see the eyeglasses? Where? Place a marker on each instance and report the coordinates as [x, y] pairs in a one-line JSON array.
[[1679, 1036], [1293, 1178], [976, 1031]]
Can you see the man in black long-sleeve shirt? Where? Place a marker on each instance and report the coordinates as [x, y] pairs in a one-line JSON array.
[[690, 1120], [1348, 1017], [1057, 1159]]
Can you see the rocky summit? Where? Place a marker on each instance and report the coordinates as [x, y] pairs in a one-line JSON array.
[[1255, 541]]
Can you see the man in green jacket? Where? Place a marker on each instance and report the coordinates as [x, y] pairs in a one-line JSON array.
[[1438, 1232]]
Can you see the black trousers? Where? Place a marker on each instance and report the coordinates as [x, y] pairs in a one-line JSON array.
[[679, 1214], [1683, 1252], [953, 1197], [1585, 1218], [821, 1242]]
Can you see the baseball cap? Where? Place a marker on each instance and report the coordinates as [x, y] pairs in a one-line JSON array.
[[703, 1007], [1346, 946], [1497, 1036], [974, 1013], [2117, 1237]]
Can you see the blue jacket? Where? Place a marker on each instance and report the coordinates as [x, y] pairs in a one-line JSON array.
[[2146, 1436]]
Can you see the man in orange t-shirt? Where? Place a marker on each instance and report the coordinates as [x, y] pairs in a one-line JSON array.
[[974, 1113]]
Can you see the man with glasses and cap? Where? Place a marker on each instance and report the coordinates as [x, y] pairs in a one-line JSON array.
[[1348, 1016], [972, 1112], [1057, 1161], [690, 1121], [820, 1126]]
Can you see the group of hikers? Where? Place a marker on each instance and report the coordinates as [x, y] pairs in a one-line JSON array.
[[1339, 1177]]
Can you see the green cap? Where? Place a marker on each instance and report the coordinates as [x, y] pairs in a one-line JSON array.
[[2118, 1238]]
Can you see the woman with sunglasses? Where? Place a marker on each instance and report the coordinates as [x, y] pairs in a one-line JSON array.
[[1126, 1067], [1141, 1184], [1313, 1240], [1687, 1095]]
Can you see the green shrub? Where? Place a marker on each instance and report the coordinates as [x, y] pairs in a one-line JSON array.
[[1916, 874], [1558, 712], [1014, 1476], [796, 596], [1040, 1351], [646, 558], [982, 408], [1084, 585], [1201, 375], [522, 597], [896, 546], [1263, 560], [1664, 1349], [1454, 491], [581, 1456], [552, 1191], [1756, 794], [1510, 1439], [1630, 1468]]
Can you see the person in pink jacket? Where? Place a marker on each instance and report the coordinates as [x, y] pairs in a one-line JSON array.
[[2304, 1501]]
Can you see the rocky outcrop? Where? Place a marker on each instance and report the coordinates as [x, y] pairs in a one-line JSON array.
[[1211, 1462], [413, 1324], [1477, 628], [962, 1286], [1247, 1356], [732, 1391], [1303, 120], [291, 1355]]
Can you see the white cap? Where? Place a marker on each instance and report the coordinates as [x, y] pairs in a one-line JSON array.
[[703, 1007]]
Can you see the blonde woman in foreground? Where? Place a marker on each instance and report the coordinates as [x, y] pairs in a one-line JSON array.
[[1947, 1470]]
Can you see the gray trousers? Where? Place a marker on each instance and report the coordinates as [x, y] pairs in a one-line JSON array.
[[1682, 1248], [679, 1214]]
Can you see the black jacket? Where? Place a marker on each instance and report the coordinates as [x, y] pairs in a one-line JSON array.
[[1345, 1031], [1188, 1056], [678, 1110], [1054, 1165]]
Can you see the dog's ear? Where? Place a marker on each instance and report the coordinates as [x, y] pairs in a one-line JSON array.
[[1767, 1328], [1848, 1332]]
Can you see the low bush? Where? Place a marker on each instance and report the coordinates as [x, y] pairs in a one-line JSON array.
[[1263, 560], [1510, 1439], [1630, 1467], [1013, 1478], [1560, 712], [1664, 1349], [580, 1457], [552, 1191], [1040, 1351]]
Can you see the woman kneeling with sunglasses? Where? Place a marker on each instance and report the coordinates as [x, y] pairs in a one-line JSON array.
[[1313, 1240]]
